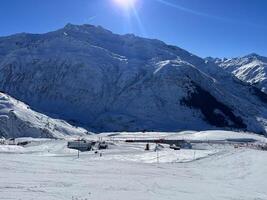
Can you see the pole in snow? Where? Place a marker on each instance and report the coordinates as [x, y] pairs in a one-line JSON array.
[[157, 156], [156, 149], [11, 120]]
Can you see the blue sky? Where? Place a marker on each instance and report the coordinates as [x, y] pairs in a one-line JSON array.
[[219, 28]]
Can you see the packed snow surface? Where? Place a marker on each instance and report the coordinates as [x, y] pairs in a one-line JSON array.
[[46, 169]]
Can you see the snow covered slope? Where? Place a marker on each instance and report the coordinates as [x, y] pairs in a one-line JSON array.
[[251, 68], [108, 82], [47, 170], [18, 120]]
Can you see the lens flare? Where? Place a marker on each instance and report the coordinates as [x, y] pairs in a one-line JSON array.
[[130, 11], [125, 3]]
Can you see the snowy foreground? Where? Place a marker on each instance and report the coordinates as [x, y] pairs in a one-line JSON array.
[[46, 169]]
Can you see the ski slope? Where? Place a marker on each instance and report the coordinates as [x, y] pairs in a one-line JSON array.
[[47, 170]]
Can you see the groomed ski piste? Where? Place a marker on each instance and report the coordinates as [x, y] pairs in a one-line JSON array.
[[46, 169]]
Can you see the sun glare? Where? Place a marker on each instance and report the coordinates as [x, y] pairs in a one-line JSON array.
[[126, 4]]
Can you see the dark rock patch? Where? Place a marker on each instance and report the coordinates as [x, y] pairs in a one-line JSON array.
[[257, 92], [215, 112]]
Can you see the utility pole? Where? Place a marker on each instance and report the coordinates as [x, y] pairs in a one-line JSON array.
[[11, 123], [78, 149], [157, 156], [157, 153]]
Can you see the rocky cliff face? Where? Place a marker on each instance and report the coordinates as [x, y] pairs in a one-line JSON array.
[[107, 82]]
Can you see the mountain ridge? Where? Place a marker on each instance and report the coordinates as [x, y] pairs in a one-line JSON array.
[[108, 82], [251, 68], [19, 120]]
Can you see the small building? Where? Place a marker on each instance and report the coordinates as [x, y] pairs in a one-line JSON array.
[[81, 145]]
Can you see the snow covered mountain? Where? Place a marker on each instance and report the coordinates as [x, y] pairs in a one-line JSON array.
[[251, 68], [107, 82], [18, 120]]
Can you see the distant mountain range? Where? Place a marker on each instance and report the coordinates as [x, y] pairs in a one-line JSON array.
[[101, 81], [251, 69]]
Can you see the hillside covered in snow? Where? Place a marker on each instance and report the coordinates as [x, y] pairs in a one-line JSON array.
[[102, 81], [18, 120], [251, 69]]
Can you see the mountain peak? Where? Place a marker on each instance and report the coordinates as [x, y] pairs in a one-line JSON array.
[[87, 76], [84, 28], [252, 55], [74, 26]]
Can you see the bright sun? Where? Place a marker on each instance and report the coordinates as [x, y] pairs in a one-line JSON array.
[[125, 3]]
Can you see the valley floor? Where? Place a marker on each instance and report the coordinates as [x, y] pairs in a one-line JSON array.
[[47, 170]]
